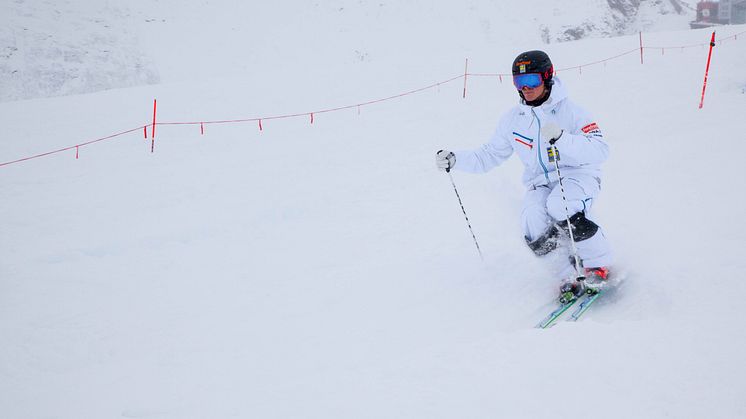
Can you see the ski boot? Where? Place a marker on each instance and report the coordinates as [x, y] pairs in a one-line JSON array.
[[595, 279], [571, 290]]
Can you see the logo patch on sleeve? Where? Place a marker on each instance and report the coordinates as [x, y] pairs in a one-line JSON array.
[[592, 127]]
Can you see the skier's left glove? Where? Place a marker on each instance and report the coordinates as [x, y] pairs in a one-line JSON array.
[[551, 132]]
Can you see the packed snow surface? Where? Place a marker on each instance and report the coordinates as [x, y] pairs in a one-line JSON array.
[[325, 270]]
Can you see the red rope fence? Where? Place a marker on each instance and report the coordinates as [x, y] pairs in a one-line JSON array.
[[76, 147], [310, 115]]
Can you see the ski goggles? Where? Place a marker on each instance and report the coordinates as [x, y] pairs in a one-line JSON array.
[[530, 80]]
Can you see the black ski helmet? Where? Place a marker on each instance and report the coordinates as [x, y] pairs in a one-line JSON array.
[[534, 62]]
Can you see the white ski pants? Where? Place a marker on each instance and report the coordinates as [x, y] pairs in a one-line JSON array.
[[543, 206]]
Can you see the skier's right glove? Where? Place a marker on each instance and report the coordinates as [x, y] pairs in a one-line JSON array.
[[445, 160], [551, 132]]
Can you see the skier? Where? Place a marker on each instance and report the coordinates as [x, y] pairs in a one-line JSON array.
[[545, 117]]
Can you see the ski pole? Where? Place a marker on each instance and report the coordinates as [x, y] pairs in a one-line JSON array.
[[465, 216], [580, 275]]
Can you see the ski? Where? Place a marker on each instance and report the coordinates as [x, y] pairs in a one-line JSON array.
[[551, 319], [584, 306], [581, 305]]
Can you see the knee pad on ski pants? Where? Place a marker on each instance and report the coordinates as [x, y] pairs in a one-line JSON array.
[[544, 212], [582, 229]]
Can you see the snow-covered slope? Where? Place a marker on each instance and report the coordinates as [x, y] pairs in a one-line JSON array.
[[325, 270], [62, 47], [52, 48], [578, 19]]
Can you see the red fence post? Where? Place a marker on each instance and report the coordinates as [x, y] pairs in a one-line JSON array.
[[152, 132], [707, 70], [641, 60]]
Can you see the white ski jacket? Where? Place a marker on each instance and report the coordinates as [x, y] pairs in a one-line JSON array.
[[581, 147]]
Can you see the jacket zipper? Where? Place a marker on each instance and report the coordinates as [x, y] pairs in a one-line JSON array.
[[538, 146]]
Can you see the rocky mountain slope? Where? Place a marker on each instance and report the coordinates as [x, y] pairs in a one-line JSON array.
[[62, 47], [614, 18]]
